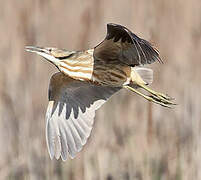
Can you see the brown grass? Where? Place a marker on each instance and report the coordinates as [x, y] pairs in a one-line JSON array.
[[132, 139]]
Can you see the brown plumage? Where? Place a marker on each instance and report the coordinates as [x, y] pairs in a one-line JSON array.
[[87, 79]]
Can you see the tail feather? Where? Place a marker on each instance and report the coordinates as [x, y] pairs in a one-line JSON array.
[[146, 74]]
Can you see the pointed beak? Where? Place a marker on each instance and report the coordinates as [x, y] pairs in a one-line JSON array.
[[44, 52], [37, 50]]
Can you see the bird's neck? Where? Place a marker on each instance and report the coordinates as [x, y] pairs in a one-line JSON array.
[[78, 67]]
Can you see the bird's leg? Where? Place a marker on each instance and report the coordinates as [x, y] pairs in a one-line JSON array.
[[156, 97], [149, 98]]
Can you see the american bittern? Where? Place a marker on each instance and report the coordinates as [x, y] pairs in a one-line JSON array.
[[86, 81]]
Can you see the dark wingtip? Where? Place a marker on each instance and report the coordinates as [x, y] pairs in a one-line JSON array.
[[160, 60], [158, 55]]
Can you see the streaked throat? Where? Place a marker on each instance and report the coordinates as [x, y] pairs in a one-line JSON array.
[[79, 67]]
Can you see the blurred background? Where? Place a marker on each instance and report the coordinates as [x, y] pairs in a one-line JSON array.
[[132, 139]]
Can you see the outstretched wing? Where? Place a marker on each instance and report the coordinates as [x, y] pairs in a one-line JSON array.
[[70, 113], [123, 45]]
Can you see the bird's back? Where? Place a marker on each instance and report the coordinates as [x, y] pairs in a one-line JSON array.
[[83, 66]]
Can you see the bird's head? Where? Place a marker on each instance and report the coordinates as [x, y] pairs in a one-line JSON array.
[[53, 55]]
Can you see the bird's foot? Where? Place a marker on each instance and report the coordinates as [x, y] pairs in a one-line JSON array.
[[155, 97]]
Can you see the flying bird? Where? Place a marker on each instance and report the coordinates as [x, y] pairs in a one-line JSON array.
[[87, 79]]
